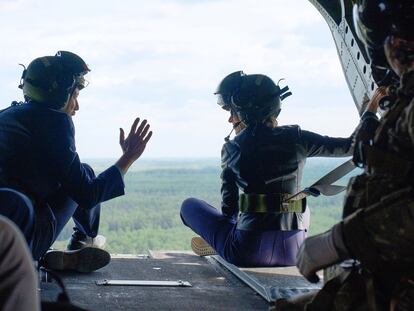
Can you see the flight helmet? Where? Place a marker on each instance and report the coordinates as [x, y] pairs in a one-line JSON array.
[[51, 80], [253, 97], [375, 20]]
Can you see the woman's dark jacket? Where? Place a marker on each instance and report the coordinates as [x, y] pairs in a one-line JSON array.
[[270, 160]]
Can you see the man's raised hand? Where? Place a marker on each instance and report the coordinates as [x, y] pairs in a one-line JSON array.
[[134, 145]]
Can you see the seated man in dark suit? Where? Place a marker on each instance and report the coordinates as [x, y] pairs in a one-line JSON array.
[[44, 181]]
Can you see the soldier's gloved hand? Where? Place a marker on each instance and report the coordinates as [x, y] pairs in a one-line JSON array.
[[373, 104], [320, 251]]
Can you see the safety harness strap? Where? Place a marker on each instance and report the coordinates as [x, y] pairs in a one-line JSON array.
[[286, 203], [325, 184], [269, 203]]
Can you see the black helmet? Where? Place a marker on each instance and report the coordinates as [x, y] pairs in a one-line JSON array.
[[375, 20], [51, 80], [253, 97]]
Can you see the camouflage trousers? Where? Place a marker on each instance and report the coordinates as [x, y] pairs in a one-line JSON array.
[[354, 290], [379, 233]]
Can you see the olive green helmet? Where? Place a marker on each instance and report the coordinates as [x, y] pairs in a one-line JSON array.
[[374, 21], [253, 97], [51, 80]]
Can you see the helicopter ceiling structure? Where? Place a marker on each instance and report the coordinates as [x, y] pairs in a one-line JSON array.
[[354, 60]]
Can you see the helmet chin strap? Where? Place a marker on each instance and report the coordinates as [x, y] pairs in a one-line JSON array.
[[235, 125]]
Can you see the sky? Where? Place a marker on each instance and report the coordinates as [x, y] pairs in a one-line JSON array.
[[162, 60]]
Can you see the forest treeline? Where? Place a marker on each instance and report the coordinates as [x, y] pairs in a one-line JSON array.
[[147, 217]]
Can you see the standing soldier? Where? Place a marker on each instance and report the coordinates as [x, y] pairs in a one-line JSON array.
[[378, 226]]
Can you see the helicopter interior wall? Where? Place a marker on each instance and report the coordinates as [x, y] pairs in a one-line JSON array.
[[334, 8]]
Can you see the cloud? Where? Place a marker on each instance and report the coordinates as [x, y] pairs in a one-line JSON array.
[[13, 5], [163, 59]]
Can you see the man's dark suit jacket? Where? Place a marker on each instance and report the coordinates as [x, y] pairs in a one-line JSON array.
[[38, 157]]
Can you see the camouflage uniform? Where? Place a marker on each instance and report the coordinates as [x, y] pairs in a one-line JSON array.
[[378, 224], [380, 233]]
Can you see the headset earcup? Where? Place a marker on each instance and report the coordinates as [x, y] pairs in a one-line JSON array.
[[64, 80]]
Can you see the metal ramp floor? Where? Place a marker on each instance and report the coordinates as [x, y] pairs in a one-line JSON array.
[[213, 285]]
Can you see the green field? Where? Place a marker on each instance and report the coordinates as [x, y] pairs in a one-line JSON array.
[[147, 217]]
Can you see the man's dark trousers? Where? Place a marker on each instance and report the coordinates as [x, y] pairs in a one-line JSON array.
[[42, 225]]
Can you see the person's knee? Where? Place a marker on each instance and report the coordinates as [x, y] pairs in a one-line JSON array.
[[18, 208], [8, 231], [187, 207], [19, 278], [188, 204], [26, 206], [12, 240]]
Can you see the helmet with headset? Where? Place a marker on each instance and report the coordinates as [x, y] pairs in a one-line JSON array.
[[51, 80], [375, 20], [253, 97]]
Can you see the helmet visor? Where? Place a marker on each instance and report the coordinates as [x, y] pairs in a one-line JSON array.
[[370, 37], [81, 82], [222, 101], [360, 28], [373, 39]]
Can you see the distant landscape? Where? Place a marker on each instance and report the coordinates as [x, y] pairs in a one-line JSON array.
[[147, 217]]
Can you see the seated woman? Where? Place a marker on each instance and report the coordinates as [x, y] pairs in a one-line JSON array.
[[265, 162]]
